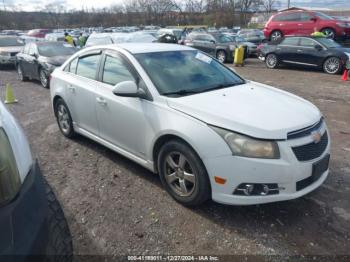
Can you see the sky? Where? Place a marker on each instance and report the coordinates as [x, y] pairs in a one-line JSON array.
[[34, 5]]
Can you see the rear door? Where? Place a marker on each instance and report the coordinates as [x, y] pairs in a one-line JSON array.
[[290, 23], [287, 50], [306, 25], [80, 89]]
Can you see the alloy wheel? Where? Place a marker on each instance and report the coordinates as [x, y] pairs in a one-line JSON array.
[[43, 78], [329, 33], [63, 119], [271, 61], [276, 35], [179, 174], [332, 65], [221, 56]]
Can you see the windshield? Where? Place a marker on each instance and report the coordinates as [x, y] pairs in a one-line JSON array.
[[183, 72], [323, 16], [10, 41], [59, 49], [329, 43]]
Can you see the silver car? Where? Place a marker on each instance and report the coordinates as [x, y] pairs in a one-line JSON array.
[[9, 47], [180, 113]]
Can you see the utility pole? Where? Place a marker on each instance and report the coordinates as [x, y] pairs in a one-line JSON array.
[[288, 3], [3, 2]]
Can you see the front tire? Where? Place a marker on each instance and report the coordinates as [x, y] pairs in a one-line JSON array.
[[332, 65], [329, 32], [271, 61], [44, 79], [183, 174], [20, 74], [64, 119], [221, 56], [59, 246]]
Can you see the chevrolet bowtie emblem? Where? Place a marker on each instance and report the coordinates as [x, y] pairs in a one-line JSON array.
[[316, 136]]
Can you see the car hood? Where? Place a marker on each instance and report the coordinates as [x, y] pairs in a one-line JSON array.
[[11, 49], [54, 60], [253, 109]]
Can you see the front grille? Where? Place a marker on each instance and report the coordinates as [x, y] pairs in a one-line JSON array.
[[312, 150], [305, 131]]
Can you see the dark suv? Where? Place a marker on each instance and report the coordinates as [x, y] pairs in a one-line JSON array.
[[303, 22]]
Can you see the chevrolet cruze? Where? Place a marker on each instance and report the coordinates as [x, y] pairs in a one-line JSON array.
[[205, 130]]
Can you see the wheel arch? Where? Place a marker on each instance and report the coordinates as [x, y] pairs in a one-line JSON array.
[[54, 101], [162, 140]]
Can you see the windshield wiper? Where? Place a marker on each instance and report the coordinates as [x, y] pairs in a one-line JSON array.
[[220, 86], [181, 92]]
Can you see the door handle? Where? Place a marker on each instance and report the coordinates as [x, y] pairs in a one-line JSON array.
[[101, 101], [299, 51], [278, 48], [300, 24], [71, 88]]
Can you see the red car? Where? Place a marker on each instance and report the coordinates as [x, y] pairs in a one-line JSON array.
[[40, 33], [303, 22]]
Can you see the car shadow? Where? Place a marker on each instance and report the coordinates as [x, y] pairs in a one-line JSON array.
[[292, 223]]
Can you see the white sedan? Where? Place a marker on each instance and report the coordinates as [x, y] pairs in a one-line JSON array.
[[205, 130]]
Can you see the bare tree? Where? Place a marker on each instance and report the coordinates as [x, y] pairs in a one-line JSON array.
[[269, 5]]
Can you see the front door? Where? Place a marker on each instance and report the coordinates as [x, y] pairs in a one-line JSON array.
[[121, 119]]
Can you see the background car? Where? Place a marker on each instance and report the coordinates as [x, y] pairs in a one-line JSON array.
[[217, 45], [303, 22], [238, 40], [38, 60], [116, 38], [316, 52], [38, 33], [32, 221], [10, 46], [255, 36]]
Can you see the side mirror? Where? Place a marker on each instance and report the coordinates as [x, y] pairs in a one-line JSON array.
[[212, 41], [33, 54], [318, 47], [129, 89], [314, 19]]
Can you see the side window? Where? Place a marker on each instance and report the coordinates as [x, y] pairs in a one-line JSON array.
[[293, 41], [87, 66], [306, 42], [26, 49], [288, 17], [305, 17], [73, 66], [32, 49], [115, 71]]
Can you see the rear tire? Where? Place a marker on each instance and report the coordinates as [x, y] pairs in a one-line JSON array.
[[187, 183], [59, 246], [64, 119]]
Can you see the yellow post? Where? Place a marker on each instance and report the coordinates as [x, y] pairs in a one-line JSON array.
[[239, 56], [9, 97]]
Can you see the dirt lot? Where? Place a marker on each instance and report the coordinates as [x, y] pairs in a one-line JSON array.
[[116, 207]]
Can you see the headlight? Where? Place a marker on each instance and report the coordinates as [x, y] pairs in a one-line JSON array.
[[245, 146], [10, 181], [232, 47], [5, 53]]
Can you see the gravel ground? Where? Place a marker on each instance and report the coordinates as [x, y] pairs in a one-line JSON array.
[[115, 207]]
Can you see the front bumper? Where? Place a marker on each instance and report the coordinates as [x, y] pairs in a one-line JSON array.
[[7, 60], [285, 172], [23, 222]]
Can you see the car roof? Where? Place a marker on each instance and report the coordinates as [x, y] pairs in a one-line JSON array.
[[140, 48]]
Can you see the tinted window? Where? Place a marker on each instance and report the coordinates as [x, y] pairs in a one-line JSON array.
[[115, 71], [329, 43], [305, 17], [288, 17], [186, 71], [56, 49], [10, 41], [87, 66], [290, 41], [225, 39], [306, 42]]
